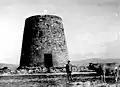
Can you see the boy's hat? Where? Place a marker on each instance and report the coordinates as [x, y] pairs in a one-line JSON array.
[[68, 60]]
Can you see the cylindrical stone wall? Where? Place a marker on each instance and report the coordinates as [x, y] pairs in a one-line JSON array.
[[43, 34]]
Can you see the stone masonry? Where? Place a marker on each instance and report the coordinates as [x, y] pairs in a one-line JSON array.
[[43, 34]]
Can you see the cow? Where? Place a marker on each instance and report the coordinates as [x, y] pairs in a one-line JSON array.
[[104, 69]]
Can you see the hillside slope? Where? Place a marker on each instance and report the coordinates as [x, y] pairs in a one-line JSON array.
[[87, 61], [10, 66]]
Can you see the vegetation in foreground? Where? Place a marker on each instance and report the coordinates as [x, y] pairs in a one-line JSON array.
[[54, 81]]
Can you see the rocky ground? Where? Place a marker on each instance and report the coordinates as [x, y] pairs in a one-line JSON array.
[[79, 80]]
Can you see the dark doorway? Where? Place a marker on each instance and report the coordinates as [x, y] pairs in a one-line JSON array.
[[48, 60]]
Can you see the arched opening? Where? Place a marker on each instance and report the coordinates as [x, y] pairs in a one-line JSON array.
[[48, 60]]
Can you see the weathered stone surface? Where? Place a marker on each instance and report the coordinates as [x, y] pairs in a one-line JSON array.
[[43, 34]]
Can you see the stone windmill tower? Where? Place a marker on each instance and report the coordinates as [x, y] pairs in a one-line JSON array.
[[43, 42]]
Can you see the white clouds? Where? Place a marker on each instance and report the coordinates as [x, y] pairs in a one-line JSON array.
[[9, 40], [59, 2], [94, 45], [113, 49], [91, 42], [88, 26]]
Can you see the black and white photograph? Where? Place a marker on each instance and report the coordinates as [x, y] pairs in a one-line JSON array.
[[59, 43]]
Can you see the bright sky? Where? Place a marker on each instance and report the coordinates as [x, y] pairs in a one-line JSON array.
[[91, 26]]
